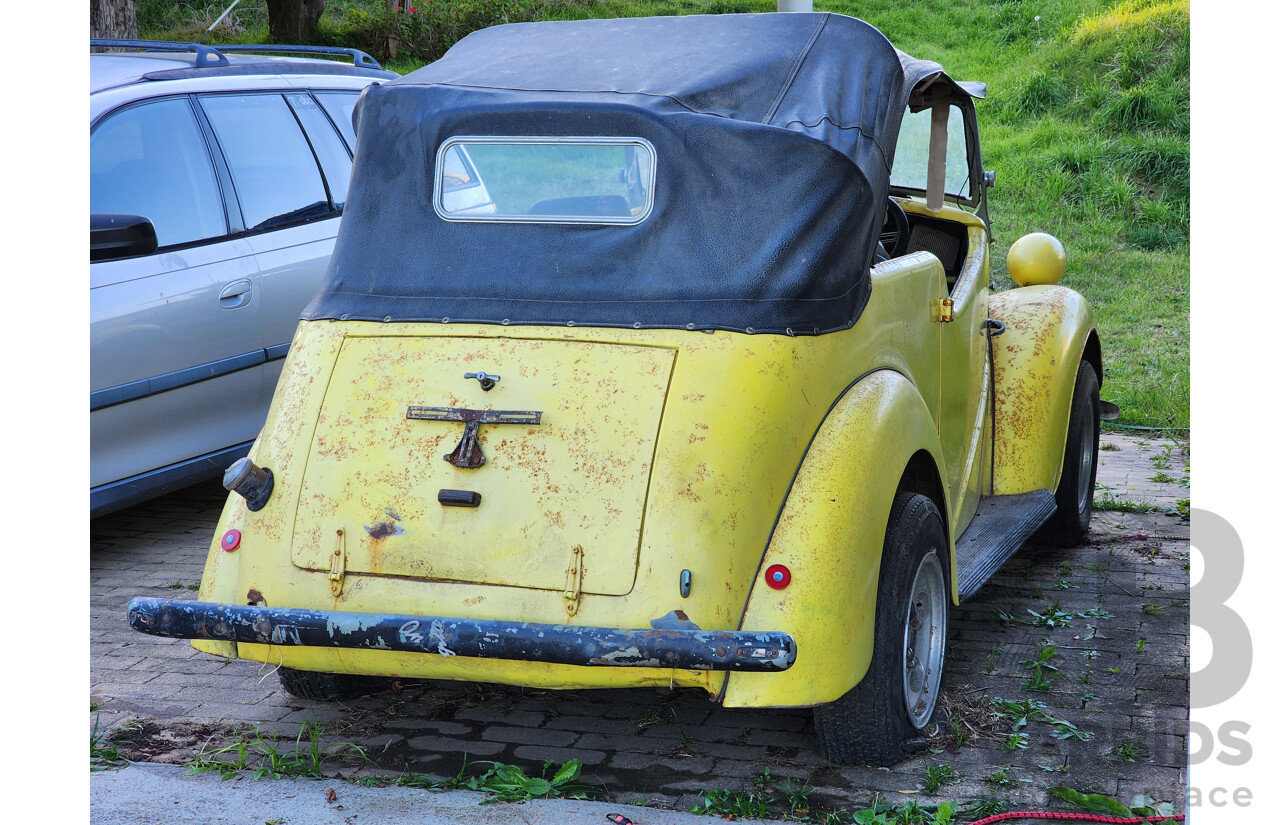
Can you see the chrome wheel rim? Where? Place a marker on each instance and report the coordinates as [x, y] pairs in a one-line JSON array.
[[1084, 483], [924, 640]]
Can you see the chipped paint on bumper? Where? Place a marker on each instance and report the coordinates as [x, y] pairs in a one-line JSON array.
[[556, 644]]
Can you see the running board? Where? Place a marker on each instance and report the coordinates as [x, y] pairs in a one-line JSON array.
[[998, 529]]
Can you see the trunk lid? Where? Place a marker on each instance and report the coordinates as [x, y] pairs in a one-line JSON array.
[[577, 479]]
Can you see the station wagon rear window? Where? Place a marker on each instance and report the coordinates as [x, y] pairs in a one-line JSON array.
[[545, 180]]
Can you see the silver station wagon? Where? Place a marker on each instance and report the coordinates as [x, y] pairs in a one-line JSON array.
[[217, 182]]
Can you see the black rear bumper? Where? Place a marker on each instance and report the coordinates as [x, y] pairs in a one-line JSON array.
[[485, 639]]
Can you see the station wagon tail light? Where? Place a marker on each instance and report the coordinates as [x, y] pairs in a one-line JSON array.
[[777, 576]]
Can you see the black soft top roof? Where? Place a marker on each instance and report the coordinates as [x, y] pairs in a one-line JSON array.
[[774, 136]]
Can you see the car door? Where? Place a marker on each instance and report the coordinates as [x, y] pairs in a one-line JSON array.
[[963, 249], [175, 336], [290, 169]]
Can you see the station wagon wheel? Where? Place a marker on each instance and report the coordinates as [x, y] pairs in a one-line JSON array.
[[1070, 524], [874, 722]]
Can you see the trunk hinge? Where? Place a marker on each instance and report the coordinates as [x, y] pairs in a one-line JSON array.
[[573, 586], [338, 564], [942, 309]]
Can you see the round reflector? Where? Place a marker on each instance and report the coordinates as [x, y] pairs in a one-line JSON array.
[[230, 540], [777, 576]]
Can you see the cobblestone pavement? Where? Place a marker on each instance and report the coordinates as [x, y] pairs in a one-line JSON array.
[[1119, 608]]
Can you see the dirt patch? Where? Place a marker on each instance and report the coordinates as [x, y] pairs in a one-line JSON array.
[[166, 741], [967, 715]]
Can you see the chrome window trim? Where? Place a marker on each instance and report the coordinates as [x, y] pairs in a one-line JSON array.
[[437, 187]]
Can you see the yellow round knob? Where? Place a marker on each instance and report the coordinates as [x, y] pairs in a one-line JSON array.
[[1037, 258]]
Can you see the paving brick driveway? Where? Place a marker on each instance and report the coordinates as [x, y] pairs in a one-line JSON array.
[[1121, 678]]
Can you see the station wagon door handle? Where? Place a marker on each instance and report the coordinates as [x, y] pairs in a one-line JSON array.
[[235, 295]]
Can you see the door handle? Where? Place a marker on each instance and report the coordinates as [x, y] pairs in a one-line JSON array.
[[235, 295]]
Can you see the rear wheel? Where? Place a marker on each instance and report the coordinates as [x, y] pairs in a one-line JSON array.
[[1070, 524], [329, 687], [872, 723]]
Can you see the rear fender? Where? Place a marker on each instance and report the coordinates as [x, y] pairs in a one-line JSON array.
[[830, 535], [1048, 329]]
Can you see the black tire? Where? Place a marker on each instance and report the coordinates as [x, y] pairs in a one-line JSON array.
[[1069, 526], [871, 724], [330, 687]]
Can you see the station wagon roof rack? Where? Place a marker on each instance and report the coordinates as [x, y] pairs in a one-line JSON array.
[[210, 56]]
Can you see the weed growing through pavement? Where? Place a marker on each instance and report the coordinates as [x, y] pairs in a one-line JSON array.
[[1109, 446], [1050, 616], [796, 796], [503, 783], [1000, 777], [909, 813], [1016, 741], [991, 658], [1007, 617], [1127, 750], [959, 735], [1064, 730], [1152, 609], [509, 783], [985, 806], [1144, 806], [1106, 501], [103, 754], [1163, 478], [732, 805], [789, 798], [1022, 712], [256, 753], [1095, 613], [1041, 670]]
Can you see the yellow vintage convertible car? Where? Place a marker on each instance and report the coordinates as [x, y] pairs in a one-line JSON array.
[[658, 352]]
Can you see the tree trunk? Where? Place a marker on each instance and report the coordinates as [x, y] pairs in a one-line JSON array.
[[113, 20], [293, 21], [393, 42]]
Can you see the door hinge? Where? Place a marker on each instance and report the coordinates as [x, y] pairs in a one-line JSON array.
[[573, 586], [942, 309], [338, 564]]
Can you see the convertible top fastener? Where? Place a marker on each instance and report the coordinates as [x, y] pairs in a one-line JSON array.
[[485, 639]]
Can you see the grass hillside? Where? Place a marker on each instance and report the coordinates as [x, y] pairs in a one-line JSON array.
[[1086, 125]]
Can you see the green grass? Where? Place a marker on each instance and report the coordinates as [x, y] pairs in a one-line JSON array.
[[1106, 501], [258, 753], [103, 754], [1086, 124], [934, 777]]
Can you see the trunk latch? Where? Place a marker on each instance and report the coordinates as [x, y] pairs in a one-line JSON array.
[[573, 587], [467, 454], [338, 564]]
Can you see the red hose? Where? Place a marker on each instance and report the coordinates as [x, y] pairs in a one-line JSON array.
[[1111, 820]]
